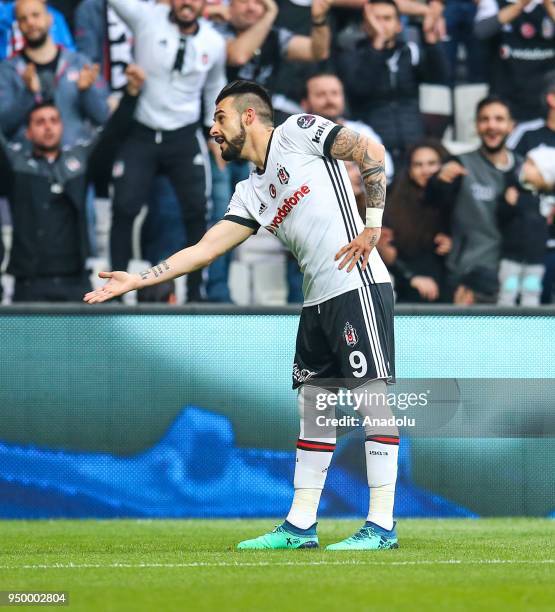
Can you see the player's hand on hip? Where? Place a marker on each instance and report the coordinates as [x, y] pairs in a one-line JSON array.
[[359, 249], [118, 284]]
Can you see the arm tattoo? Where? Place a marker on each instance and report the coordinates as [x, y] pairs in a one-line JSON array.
[[155, 271], [350, 146]]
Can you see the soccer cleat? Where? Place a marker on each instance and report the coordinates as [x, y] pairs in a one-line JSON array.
[[368, 537], [280, 537]]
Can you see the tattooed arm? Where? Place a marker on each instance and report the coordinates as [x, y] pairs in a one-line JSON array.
[[369, 156], [221, 238]]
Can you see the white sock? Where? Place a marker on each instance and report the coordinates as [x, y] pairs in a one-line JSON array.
[[381, 506], [312, 462], [304, 508], [311, 469], [381, 469]]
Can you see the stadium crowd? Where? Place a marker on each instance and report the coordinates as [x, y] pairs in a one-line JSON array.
[[105, 157]]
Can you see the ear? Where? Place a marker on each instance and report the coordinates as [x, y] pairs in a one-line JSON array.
[[49, 20], [250, 116]]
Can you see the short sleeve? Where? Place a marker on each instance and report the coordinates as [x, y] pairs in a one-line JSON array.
[[310, 134], [237, 213], [284, 37]]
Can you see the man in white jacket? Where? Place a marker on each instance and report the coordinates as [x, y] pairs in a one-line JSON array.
[[184, 60]]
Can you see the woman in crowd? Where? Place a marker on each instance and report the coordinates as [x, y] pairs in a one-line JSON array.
[[416, 238]]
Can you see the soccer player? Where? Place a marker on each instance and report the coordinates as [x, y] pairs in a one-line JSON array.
[[300, 191]]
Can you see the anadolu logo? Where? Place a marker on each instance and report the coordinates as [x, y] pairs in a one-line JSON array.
[[287, 207]]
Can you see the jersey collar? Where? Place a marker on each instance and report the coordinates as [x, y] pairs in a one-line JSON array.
[[259, 171]]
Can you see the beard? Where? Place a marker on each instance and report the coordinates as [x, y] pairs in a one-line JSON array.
[[235, 146], [497, 147], [44, 148], [182, 23], [35, 43], [331, 114]]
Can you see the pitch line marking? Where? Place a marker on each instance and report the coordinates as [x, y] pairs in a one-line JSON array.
[[274, 563]]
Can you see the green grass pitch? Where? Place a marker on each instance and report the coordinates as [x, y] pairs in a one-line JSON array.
[[166, 565]]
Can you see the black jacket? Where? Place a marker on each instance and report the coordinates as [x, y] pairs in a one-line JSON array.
[[524, 230], [29, 182], [383, 87], [525, 52]]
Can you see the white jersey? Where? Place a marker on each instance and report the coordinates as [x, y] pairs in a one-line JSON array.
[[304, 197]]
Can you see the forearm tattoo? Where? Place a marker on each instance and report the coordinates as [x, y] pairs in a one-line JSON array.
[[156, 271], [350, 146]]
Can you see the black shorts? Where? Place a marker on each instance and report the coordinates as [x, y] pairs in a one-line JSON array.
[[347, 338]]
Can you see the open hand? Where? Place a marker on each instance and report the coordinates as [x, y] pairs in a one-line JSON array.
[[359, 249], [372, 27], [118, 284], [31, 78]]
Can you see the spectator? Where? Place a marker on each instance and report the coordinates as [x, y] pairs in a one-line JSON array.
[[523, 34], [47, 193], [182, 57], [44, 71], [91, 32], [528, 136], [472, 185], [383, 74], [524, 228], [11, 39], [459, 20], [540, 131], [419, 233], [324, 95], [256, 48], [428, 15]]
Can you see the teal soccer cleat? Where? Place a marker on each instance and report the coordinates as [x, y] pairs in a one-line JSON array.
[[282, 537], [369, 537]]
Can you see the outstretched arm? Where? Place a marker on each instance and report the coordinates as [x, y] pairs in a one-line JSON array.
[[221, 238], [369, 156]]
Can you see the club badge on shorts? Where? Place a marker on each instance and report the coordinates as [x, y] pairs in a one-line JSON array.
[[350, 335]]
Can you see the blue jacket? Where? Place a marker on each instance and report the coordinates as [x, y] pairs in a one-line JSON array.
[[59, 31], [78, 109]]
